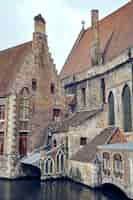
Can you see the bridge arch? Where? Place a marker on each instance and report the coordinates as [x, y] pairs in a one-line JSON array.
[[30, 171], [116, 189]]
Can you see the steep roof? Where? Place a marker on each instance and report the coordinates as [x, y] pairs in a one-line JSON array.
[[115, 33], [10, 60], [75, 120], [88, 152]]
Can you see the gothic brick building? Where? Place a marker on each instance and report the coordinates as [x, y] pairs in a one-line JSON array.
[[97, 80], [29, 97]]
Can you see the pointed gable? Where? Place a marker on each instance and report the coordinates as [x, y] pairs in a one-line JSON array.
[[10, 62], [115, 33]]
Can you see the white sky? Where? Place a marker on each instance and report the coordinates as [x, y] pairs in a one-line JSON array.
[[63, 21]]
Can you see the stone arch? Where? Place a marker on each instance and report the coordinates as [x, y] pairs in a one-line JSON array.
[[111, 109], [126, 105], [48, 166], [60, 161]]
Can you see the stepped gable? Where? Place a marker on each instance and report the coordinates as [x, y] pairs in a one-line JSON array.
[[88, 152], [115, 35], [10, 61]]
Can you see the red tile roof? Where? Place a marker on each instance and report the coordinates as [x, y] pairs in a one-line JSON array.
[[116, 35], [10, 60]]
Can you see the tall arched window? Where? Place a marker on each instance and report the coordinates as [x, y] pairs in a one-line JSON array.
[[24, 104], [127, 113], [60, 162], [111, 109], [24, 116]]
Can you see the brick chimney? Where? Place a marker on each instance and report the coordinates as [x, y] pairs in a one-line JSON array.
[[39, 38], [39, 24], [95, 41]]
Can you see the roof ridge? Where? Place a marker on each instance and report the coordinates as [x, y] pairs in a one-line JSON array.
[[16, 46], [116, 11]]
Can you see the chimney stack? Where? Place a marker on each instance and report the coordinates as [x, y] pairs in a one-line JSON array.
[[39, 24], [95, 41]]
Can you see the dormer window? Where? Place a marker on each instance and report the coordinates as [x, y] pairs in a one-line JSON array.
[[52, 88], [34, 84]]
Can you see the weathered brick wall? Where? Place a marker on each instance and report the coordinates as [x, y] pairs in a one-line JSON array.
[[37, 64]]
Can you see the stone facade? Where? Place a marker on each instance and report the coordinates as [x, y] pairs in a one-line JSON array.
[[117, 168]]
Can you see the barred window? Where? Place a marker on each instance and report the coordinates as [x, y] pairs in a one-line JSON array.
[[2, 112]]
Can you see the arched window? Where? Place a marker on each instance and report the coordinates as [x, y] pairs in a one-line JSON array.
[[24, 116], [48, 166], [118, 165], [24, 104], [60, 162], [106, 163], [111, 109], [127, 114]]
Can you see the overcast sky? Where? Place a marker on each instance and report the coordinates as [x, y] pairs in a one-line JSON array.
[[63, 21]]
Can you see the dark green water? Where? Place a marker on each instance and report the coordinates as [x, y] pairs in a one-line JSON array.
[[61, 190]]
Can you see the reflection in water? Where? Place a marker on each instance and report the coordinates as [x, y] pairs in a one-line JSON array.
[[62, 190]]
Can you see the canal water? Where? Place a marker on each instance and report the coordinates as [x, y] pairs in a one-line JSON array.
[[61, 190]]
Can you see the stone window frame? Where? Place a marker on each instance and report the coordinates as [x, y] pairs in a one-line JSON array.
[[83, 96], [24, 104], [24, 110], [59, 155], [48, 163], [106, 163], [118, 165]]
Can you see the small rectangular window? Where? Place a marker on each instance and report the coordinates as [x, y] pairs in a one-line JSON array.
[[56, 114], [52, 88], [83, 93], [83, 141], [1, 143], [103, 90], [34, 84]]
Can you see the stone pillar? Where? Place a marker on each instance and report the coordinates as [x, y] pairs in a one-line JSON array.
[[11, 146], [95, 41]]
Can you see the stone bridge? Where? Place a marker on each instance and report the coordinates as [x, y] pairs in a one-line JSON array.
[[31, 163], [128, 191]]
